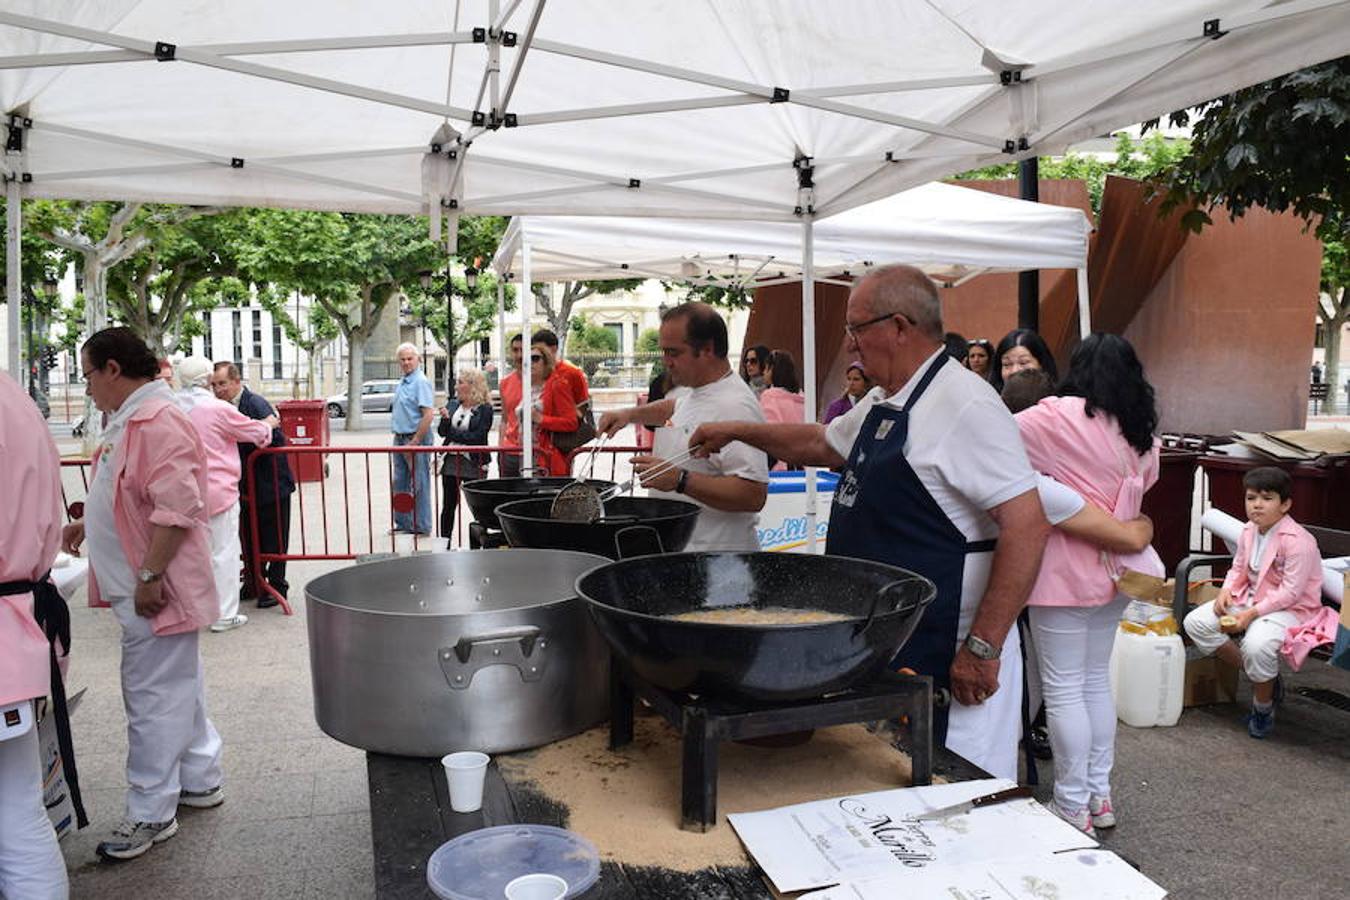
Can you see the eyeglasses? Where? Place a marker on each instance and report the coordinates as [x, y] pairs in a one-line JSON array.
[[853, 329], [752, 360], [85, 373]]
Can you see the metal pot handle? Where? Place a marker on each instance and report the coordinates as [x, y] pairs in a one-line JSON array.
[[644, 531], [876, 602], [522, 647]]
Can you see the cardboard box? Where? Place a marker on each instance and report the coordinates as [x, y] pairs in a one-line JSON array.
[[1208, 680]]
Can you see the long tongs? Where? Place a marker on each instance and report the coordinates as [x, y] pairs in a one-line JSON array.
[[581, 502]]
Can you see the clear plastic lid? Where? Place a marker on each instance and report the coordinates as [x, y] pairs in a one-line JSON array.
[[478, 865]]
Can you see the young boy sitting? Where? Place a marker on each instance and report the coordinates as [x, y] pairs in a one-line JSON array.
[[1275, 583]]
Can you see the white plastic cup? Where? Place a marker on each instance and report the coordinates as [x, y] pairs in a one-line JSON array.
[[537, 886], [465, 772]]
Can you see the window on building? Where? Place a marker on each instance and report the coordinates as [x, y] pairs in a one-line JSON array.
[[208, 339], [617, 329], [236, 321], [276, 351], [257, 334]]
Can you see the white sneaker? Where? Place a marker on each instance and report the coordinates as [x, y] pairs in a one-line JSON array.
[[202, 799], [229, 624], [1103, 814], [130, 839], [1082, 820]]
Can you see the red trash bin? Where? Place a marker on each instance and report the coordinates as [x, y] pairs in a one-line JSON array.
[[305, 424], [1318, 489]]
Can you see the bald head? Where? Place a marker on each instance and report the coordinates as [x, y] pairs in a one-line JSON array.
[[905, 291]]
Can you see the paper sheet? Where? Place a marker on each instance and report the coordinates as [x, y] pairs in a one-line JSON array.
[[1076, 875], [848, 839]]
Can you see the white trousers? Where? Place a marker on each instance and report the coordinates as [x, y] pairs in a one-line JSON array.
[[171, 744], [31, 867], [1260, 646], [225, 555], [987, 734], [1073, 645]]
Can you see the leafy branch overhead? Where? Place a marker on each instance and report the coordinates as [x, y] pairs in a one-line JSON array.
[[1282, 145]]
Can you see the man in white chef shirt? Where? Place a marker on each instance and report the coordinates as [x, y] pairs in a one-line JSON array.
[[935, 473], [732, 486]]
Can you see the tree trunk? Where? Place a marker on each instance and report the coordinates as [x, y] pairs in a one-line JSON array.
[[356, 366], [1333, 327], [95, 319]]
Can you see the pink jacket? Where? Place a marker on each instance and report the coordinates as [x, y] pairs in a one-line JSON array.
[[1091, 456], [222, 429], [1290, 576], [159, 478], [30, 534], [780, 405]]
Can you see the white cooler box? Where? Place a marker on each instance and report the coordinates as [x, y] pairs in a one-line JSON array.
[[782, 522]]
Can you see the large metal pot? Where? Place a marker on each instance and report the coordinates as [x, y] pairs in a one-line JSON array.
[[478, 650], [633, 602], [659, 522], [486, 494]]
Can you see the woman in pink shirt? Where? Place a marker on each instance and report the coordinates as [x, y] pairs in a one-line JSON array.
[[30, 532], [149, 559], [1096, 437], [782, 399], [222, 429]]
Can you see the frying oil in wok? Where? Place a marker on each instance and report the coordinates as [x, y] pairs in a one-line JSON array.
[[768, 615]]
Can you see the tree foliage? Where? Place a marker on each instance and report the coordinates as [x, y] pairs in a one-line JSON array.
[[1281, 145], [1143, 160]]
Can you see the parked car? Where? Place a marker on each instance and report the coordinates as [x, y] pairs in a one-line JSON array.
[[376, 396]]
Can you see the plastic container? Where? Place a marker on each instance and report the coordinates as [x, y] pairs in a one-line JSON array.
[[479, 865], [782, 522], [305, 424], [1148, 671]]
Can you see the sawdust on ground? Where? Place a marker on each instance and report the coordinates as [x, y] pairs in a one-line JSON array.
[[627, 801]]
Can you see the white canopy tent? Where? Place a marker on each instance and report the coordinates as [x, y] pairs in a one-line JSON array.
[[952, 232], [729, 109]]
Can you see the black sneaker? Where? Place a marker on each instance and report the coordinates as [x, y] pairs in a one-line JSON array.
[[267, 602], [132, 839], [1040, 743]]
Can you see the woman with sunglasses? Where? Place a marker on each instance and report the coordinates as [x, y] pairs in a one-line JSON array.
[[553, 410], [753, 360], [978, 357]]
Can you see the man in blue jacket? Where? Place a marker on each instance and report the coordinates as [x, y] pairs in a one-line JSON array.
[[274, 488]]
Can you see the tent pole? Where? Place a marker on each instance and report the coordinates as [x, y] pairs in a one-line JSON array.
[[809, 365], [502, 348], [526, 400], [1084, 304], [14, 270], [1029, 281]]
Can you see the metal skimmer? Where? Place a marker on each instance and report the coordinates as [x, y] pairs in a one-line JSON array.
[[581, 502]]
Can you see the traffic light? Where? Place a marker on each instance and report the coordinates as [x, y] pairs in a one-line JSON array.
[[49, 357]]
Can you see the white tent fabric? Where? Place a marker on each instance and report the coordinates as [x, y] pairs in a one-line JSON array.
[[951, 232], [705, 108]]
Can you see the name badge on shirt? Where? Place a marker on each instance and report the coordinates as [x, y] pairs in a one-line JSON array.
[[883, 429]]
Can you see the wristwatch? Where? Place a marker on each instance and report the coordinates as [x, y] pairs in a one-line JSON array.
[[682, 483], [980, 648], [145, 576]]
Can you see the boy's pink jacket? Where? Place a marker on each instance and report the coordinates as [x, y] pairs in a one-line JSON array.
[[159, 478], [1290, 576], [30, 535], [222, 429], [1091, 456]]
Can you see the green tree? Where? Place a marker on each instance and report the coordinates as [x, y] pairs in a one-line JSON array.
[[1283, 145], [460, 315], [1143, 160], [353, 265], [649, 341], [558, 308]]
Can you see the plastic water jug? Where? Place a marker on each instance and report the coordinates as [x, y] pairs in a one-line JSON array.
[[1148, 669]]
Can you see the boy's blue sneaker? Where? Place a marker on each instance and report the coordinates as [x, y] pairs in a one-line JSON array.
[[1260, 724]]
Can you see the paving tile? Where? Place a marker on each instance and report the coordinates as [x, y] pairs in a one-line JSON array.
[[340, 880], [251, 797], [273, 848], [341, 791]]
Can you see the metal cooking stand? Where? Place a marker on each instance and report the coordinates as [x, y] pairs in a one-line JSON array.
[[704, 723]]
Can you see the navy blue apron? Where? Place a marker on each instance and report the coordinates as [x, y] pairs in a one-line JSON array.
[[883, 512]]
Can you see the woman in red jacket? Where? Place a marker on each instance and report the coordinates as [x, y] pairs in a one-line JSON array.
[[553, 411]]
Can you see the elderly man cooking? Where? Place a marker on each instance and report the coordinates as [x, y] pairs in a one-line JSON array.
[[936, 482], [731, 487]]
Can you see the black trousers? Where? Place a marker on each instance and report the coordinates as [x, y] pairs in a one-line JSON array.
[[449, 501], [274, 536]]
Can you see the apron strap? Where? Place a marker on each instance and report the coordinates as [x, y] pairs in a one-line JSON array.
[[53, 617], [926, 380]]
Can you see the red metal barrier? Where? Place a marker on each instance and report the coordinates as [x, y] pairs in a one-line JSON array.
[[74, 509], [330, 523]]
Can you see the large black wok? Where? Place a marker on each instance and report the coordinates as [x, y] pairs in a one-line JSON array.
[[527, 523], [632, 601], [486, 494]]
